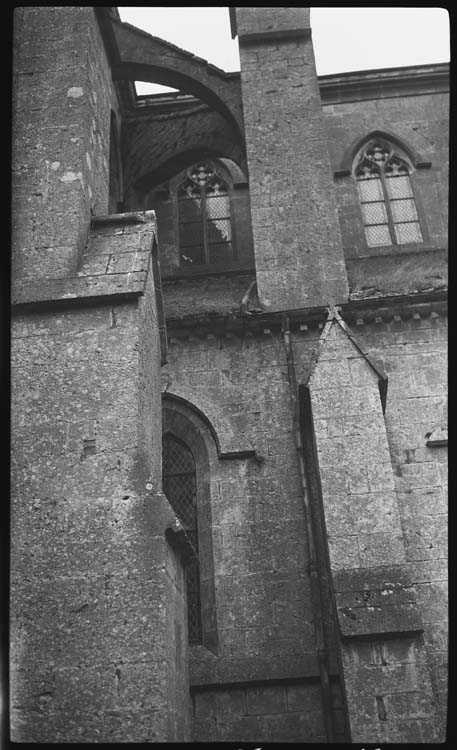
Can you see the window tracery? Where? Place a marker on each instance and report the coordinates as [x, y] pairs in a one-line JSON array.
[[388, 206], [205, 231]]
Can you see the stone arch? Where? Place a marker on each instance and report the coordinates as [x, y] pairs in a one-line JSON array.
[[182, 159], [160, 146], [185, 424], [228, 442], [148, 58], [236, 172]]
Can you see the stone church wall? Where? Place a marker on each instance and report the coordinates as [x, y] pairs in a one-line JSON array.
[[99, 644], [420, 122]]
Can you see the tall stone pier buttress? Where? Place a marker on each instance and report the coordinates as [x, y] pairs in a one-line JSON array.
[[297, 244], [97, 607]]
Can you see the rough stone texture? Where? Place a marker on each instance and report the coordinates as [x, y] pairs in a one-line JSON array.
[[98, 626], [362, 518], [259, 555], [89, 589], [61, 125], [363, 531], [299, 261], [263, 601], [420, 122], [273, 21], [264, 713], [414, 355], [158, 143], [163, 62]]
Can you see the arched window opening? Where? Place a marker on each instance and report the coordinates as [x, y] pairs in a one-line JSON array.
[[386, 196], [205, 230], [179, 478]]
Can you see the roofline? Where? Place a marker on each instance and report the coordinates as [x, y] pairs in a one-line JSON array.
[[398, 69], [382, 83], [353, 85]]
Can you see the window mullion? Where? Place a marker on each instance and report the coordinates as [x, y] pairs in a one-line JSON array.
[[205, 226], [390, 217]]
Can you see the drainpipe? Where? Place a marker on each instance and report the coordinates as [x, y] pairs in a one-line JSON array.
[[313, 567]]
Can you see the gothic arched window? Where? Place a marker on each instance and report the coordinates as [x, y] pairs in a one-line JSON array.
[[386, 196], [179, 479], [205, 231]]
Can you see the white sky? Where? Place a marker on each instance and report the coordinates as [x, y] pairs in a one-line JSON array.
[[344, 38]]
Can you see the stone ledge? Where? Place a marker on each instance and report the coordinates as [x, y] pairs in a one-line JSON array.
[[437, 437], [77, 290], [124, 218], [208, 670]]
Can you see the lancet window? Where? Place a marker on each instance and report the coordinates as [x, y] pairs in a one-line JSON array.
[[386, 196], [205, 231], [179, 478]]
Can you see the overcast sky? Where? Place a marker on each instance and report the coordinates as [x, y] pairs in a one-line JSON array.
[[344, 38]]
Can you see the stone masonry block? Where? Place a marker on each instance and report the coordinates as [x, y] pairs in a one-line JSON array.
[[266, 700], [375, 602], [373, 513], [306, 697], [344, 552], [376, 548]]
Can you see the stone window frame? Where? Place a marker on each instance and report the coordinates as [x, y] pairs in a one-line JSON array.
[[183, 423], [204, 219], [228, 178], [183, 506], [394, 154], [416, 162]]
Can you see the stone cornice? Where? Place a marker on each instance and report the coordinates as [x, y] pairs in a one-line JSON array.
[[387, 82], [378, 310]]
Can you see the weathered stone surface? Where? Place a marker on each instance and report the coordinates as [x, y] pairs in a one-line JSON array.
[[98, 621], [290, 176], [97, 593]]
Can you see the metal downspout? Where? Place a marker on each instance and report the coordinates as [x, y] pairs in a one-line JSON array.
[[313, 563]]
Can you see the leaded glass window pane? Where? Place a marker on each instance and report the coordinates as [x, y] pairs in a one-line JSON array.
[[399, 187], [217, 207], [371, 189], [378, 235], [374, 213], [408, 233], [191, 233], [219, 230], [179, 480], [204, 217], [404, 210], [190, 209], [192, 256]]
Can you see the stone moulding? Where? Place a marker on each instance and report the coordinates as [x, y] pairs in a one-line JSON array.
[[438, 437], [230, 444], [345, 167], [360, 311]]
